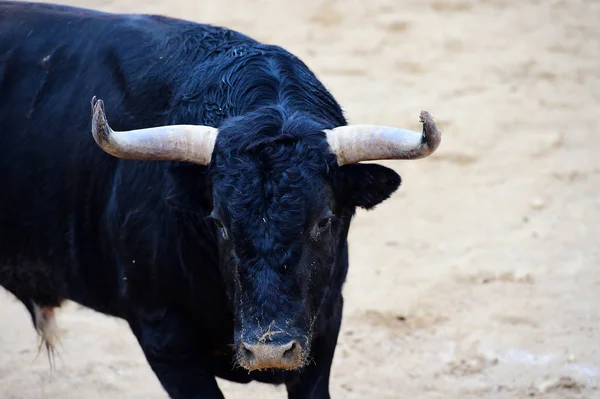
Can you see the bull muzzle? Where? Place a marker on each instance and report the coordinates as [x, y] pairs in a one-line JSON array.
[[269, 355]]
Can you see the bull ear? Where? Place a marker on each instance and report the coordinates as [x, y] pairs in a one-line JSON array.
[[366, 185]]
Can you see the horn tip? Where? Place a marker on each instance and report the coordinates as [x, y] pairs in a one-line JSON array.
[[100, 128], [425, 117], [431, 134], [96, 105]]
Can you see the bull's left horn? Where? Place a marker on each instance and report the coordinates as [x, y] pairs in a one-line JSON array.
[[188, 143], [357, 143]]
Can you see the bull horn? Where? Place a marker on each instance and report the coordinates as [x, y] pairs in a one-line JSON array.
[[357, 143], [188, 143]]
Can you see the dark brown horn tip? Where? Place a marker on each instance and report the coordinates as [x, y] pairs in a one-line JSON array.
[[424, 117], [97, 106], [100, 128], [431, 134]]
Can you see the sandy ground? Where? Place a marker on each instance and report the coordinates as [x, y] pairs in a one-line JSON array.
[[479, 278]]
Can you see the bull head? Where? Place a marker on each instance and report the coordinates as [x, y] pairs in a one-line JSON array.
[[279, 254]]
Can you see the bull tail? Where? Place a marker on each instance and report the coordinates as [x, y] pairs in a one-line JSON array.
[[45, 324]]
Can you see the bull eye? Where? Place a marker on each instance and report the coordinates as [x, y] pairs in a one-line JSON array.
[[222, 229], [324, 223], [322, 227], [220, 226], [224, 233]]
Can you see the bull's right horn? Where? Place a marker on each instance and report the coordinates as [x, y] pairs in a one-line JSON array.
[[189, 143]]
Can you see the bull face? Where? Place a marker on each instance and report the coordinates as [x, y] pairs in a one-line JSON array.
[[277, 257], [284, 190], [281, 210]]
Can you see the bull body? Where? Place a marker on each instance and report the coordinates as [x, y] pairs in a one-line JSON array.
[[139, 240]]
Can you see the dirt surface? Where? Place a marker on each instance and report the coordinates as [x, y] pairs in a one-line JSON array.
[[479, 278]]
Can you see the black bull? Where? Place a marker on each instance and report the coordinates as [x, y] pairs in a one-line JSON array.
[[222, 238]]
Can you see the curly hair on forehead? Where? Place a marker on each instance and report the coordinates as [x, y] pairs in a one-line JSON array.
[[269, 165]]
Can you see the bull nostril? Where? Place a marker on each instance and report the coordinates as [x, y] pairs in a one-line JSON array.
[[247, 351], [288, 354]]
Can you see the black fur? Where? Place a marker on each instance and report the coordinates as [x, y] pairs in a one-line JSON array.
[[196, 259]]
